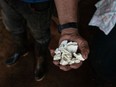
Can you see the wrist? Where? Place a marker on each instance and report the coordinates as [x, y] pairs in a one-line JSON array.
[[69, 31], [67, 27]]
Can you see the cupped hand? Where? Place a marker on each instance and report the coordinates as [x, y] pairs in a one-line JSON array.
[[73, 35]]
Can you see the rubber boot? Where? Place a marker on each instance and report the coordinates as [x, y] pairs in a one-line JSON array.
[[41, 52], [21, 48]]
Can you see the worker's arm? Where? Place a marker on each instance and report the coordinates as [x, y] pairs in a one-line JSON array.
[[67, 13]]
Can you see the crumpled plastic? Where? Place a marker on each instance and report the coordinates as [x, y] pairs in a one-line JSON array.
[[105, 15]]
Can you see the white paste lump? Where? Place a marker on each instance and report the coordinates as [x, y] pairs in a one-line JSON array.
[[66, 53]]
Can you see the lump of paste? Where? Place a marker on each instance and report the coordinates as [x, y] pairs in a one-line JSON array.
[[67, 54]]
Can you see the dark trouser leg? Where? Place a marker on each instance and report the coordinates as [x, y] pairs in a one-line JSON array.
[[103, 55], [37, 16], [15, 23], [41, 54], [39, 23]]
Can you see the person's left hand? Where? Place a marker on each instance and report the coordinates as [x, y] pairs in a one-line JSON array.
[[73, 35]]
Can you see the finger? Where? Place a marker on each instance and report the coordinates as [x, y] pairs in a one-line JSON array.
[[84, 48], [85, 53], [76, 66], [65, 68], [56, 63], [52, 52]]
